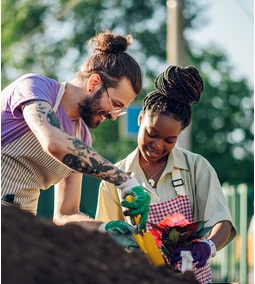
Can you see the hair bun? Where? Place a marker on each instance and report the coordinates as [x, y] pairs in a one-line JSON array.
[[107, 42], [182, 84]]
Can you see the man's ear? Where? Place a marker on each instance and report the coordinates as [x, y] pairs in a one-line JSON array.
[[93, 81], [140, 118]]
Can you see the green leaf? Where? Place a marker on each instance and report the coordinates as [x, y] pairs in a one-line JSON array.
[[174, 237], [202, 232], [201, 225], [165, 251]]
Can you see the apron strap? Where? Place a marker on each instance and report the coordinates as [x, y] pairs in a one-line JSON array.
[[178, 182], [78, 128], [59, 96], [58, 100]]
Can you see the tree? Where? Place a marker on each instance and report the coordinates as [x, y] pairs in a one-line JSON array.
[[223, 119]]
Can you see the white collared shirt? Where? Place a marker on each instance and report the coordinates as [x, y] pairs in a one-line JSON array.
[[200, 183]]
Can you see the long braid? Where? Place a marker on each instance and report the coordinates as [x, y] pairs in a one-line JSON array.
[[175, 90]]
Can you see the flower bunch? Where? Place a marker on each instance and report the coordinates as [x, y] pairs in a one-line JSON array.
[[175, 231]]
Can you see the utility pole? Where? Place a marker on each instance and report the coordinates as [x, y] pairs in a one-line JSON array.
[[176, 51]]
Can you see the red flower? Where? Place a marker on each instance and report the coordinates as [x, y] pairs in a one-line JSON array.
[[157, 236], [174, 220]]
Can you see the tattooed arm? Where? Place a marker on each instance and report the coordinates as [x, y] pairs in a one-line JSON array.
[[74, 153], [69, 150]]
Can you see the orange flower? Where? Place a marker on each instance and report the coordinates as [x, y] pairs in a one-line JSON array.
[[156, 236], [174, 220]]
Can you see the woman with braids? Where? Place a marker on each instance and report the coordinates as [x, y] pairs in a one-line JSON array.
[[177, 180], [46, 141]]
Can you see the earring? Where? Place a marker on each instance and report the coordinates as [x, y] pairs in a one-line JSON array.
[[89, 90]]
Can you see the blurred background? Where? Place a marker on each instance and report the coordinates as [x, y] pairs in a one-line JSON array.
[[217, 37]]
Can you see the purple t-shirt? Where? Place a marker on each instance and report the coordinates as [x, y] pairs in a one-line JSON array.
[[26, 88]]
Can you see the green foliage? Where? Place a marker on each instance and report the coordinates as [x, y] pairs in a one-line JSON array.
[[50, 37], [173, 238], [222, 125], [18, 19]]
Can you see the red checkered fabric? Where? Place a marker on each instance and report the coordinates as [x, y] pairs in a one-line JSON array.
[[179, 204]]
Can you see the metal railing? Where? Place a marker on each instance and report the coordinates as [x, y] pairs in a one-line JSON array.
[[231, 264]]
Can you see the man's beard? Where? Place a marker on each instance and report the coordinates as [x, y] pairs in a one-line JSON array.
[[88, 109]]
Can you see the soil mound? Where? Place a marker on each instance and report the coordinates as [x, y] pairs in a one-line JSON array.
[[36, 251]]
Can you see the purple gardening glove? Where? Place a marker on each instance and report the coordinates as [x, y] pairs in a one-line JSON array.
[[200, 251]]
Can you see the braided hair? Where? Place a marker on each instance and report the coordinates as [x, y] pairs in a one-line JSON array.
[[111, 61], [175, 90]]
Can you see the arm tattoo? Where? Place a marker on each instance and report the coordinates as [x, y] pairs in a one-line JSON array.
[[40, 110], [30, 103], [78, 144], [53, 119], [87, 164]]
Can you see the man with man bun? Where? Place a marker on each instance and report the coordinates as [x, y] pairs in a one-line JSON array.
[[46, 139]]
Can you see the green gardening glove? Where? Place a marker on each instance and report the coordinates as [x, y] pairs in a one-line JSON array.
[[121, 232], [141, 203]]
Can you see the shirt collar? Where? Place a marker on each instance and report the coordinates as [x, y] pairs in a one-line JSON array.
[[180, 161]]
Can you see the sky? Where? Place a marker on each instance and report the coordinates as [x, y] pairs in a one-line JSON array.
[[231, 27]]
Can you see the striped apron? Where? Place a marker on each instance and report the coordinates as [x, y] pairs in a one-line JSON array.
[[26, 168], [180, 204]]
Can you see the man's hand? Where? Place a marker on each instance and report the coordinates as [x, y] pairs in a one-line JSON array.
[[200, 251], [121, 232], [141, 203]]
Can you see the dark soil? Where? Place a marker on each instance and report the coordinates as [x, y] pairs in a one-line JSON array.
[[34, 250]]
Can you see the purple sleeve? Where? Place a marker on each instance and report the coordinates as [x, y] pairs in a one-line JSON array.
[[34, 87], [26, 88]]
